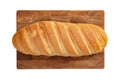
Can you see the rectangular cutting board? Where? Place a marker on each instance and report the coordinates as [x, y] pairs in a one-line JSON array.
[[25, 17]]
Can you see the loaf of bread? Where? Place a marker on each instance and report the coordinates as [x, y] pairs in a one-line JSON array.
[[52, 38]]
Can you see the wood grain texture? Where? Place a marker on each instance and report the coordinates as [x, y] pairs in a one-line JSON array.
[[35, 62]]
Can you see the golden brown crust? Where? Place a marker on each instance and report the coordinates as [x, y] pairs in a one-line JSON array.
[[58, 38]]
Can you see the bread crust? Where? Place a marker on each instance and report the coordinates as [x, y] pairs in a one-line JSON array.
[[52, 38]]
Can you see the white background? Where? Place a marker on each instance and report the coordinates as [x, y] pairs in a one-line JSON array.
[[8, 70]]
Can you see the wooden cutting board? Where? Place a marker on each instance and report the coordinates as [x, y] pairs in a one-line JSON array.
[[25, 17]]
